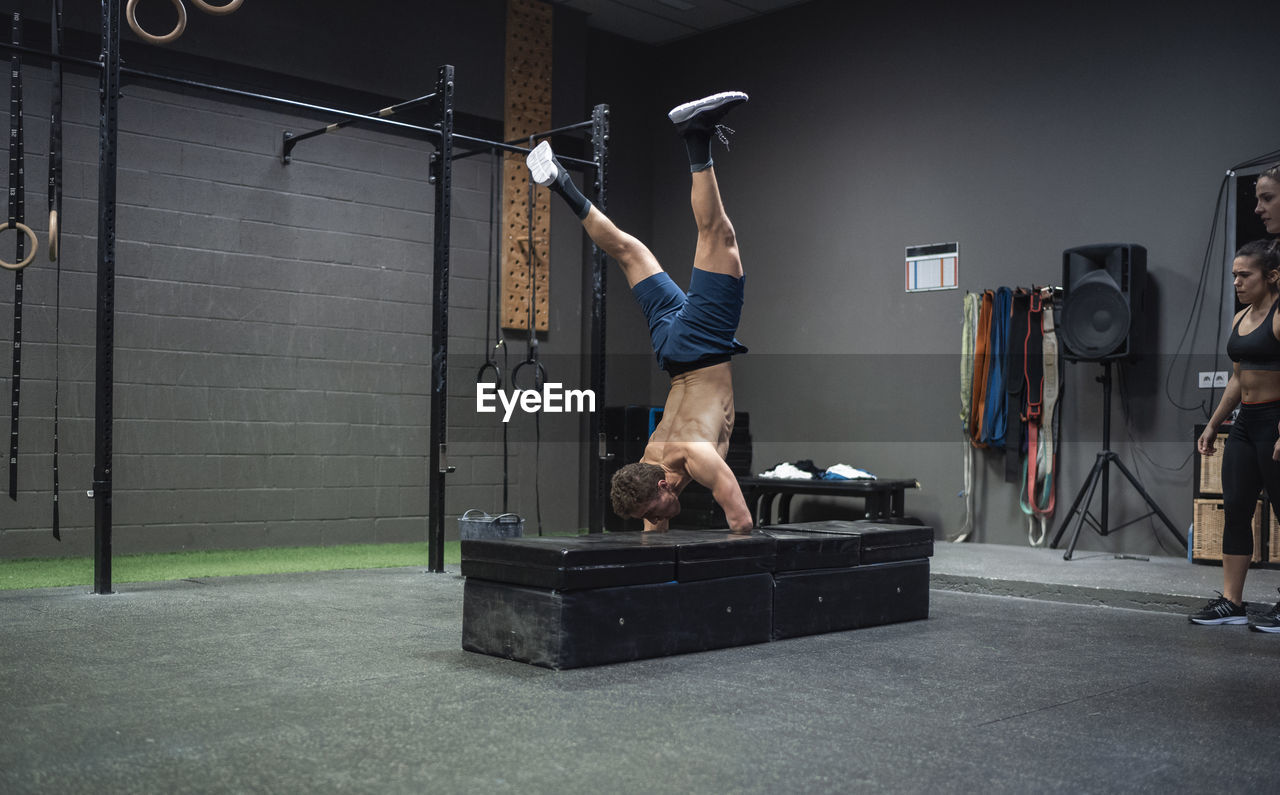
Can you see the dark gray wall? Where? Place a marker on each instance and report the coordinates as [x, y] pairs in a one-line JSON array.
[[273, 322], [1018, 131]]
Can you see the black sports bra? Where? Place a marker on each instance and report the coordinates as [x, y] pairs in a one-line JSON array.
[[1257, 350]]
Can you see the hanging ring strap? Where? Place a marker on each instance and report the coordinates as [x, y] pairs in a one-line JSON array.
[[55, 130], [53, 235], [491, 363], [217, 10], [31, 237], [130, 13]]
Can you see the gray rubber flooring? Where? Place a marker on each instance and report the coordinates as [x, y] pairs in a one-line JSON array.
[[356, 682]]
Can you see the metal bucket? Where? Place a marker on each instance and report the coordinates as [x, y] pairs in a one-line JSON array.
[[475, 524]]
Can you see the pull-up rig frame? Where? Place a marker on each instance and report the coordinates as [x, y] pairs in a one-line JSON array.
[[111, 74]]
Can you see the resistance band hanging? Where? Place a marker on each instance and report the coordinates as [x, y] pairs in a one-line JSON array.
[[968, 350], [981, 368], [994, 417], [1041, 417], [55, 231], [1010, 394], [1015, 382], [17, 194]]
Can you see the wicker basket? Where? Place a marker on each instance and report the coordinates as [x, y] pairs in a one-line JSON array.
[[1206, 541], [1211, 468]]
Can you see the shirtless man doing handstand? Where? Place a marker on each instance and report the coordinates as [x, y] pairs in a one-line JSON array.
[[692, 335]]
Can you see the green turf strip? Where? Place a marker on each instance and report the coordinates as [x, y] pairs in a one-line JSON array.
[[53, 572]]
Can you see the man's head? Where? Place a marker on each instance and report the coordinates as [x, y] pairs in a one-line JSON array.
[[640, 491]]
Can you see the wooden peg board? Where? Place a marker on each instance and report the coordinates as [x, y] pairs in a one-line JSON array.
[[528, 110]]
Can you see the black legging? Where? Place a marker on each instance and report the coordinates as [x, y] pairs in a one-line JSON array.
[[1247, 468]]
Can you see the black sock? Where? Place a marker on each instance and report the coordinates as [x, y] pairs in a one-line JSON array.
[[698, 144], [576, 201]]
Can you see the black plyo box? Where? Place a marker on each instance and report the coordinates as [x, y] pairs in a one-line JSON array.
[[796, 550], [832, 600], [708, 554], [569, 563], [881, 542], [571, 629], [603, 561]]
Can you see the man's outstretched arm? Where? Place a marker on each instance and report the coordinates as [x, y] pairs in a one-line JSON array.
[[707, 467]]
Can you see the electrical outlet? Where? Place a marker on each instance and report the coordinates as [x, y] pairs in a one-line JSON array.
[[1220, 378], [1206, 379]]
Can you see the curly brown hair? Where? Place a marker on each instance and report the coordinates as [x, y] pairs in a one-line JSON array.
[[634, 486]]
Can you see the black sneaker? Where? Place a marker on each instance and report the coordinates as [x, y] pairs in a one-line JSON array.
[[705, 113], [1270, 622], [1220, 611]]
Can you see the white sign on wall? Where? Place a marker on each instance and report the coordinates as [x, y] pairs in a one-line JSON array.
[[933, 267]]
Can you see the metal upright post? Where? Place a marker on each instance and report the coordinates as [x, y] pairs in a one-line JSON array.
[[442, 174], [597, 503], [105, 382]]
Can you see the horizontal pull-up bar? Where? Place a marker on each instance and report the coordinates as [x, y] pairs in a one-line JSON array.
[[124, 70], [349, 117], [483, 145], [582, 125], [291, 140]]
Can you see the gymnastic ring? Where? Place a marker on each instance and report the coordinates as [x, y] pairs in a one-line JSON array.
[[130, 13], [216, 10], [35, 244], [539, 374], [53, 235], [497, 373]]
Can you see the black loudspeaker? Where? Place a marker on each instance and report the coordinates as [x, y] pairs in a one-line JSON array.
[[1102, 309]]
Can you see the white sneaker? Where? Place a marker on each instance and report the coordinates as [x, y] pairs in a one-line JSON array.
[[542, 164], [712, 108]]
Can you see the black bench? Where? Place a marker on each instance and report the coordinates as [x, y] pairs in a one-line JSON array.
[[882, 499]]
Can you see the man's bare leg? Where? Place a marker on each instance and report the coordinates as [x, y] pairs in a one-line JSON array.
[[637, 261], [697, 122], [717, 249]]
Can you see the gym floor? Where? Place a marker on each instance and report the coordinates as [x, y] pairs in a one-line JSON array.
[[1087, 679]]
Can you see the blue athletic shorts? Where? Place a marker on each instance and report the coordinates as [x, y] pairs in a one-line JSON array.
[[693, 330]]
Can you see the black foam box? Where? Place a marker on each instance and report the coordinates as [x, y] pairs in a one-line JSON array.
[[832, 600], [616, 559], [708, 554], [572, 629], [881, 541], [797, 550], [570, 562]]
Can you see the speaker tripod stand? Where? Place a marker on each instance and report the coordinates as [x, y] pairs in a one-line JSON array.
[[1100, 475]]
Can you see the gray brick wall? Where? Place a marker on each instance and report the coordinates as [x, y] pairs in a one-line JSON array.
[[273, 335]]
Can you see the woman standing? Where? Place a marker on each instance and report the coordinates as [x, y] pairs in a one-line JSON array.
[[1251, 460]]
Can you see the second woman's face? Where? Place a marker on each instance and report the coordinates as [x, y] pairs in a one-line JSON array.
[[1251, 286], [1268, 209]]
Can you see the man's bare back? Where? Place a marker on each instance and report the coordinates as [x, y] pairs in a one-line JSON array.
[[692, 439]]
